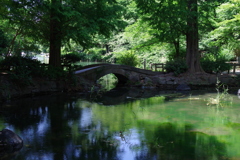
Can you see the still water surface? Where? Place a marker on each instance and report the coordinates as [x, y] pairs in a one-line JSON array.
[[126, 125]]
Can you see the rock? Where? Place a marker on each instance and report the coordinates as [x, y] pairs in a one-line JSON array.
[[10, 141], [170, 82], [183, 87], [148, 81]]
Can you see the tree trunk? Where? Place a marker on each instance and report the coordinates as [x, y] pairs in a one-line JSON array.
[[177, 49], [193, 55], [55, 35], [10, 48]]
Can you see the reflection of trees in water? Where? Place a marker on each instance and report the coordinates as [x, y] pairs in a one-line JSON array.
[[76, 141], [172, 141], [51, 128], [92, 148], [24, 113]]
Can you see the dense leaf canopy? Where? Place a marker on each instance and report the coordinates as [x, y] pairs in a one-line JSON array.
[[150, 28]]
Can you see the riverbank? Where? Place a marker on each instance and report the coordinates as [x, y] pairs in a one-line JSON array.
[[196, 80], [10, 89]]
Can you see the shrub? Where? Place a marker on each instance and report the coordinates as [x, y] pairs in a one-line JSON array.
[[173, 55], [215, 66], [21, 64], [21, 69], [54, 73], [128, 58], [177, 66]]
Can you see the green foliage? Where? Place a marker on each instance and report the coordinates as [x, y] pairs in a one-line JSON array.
[[162, 18], [177, 66], [172, 53], [55, 73], [128, 58], [108, 82], [211, 64], [148, 27], [21, 69], [95, 54], [227, 27], [109, 57], [79, 21], [18, 64], [173, 20], [138, 37]]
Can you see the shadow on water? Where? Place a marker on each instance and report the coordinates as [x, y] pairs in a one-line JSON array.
[[120, 95]]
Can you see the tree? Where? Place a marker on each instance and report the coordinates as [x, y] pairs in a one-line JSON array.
[[161, 17], [16, 22], [176, 18], [56, 27], [193, 56], [56, 22]]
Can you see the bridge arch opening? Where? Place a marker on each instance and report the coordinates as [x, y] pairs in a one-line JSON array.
[[112, 80], [108, 81]]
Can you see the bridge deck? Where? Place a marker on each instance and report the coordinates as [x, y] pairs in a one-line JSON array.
[[115, 67], [86, 69]]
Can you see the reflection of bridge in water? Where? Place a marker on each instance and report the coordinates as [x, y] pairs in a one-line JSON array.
[[124, 73], [123, 94]]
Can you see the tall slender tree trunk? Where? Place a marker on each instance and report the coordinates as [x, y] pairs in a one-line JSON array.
[[10, 48], [55, 35], [193, 55], [177, 48]]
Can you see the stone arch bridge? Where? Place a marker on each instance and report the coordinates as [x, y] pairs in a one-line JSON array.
[[124, 73]]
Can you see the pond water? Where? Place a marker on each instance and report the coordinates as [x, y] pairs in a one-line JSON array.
[[126, 125]]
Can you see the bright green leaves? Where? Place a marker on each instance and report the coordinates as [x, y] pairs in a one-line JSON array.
[[166, 17], [228, 27], [128, 58]]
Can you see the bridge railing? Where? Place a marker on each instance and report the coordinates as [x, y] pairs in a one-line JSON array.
[[235, 66], [161, 67], [156, 66]]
